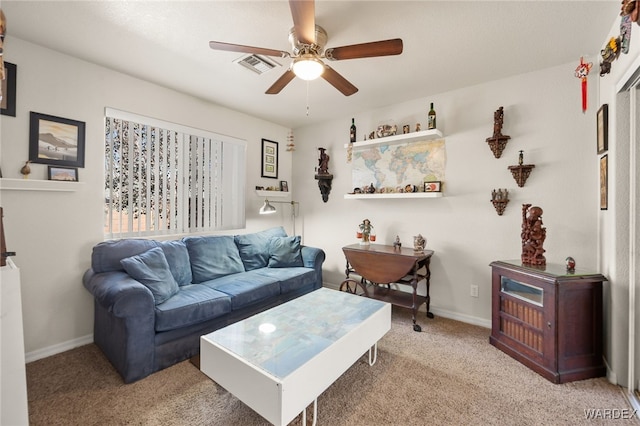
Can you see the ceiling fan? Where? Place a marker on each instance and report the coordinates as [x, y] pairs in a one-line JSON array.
[[308, 40]]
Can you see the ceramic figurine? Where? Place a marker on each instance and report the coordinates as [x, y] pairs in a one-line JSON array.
[[419, 243], [25, 170], [571, 264], [397, 244]]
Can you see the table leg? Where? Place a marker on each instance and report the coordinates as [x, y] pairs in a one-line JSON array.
[[428, 280], [414, 308], [315, 413]]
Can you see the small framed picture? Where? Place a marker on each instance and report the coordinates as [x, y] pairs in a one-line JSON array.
[[432, 186], [603, 128], [604, 190], [68, 174], [284, 186]]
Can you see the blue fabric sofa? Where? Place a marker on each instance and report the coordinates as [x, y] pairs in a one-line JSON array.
[[154, 299]]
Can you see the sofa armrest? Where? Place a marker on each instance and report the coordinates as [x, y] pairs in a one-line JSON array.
[[312, 257], [118, 293]]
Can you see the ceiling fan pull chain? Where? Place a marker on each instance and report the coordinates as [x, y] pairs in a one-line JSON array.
[[307, 98]]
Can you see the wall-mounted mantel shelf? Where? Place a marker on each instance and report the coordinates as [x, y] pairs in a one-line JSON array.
[[273, 194], [402, 138], [7, 184], [394, 195]]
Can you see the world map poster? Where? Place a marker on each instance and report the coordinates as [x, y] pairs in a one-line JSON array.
[[390, 167]]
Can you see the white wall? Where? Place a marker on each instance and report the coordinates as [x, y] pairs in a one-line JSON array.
[[613, 224], [543, 116], [53, 232]]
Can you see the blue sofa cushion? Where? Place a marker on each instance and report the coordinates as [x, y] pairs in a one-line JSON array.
[[151, 269], [193, 304], [291, 279], [254, 248], [178, 260], [246, 288], [106, 256], [212, 257], [284, 252]]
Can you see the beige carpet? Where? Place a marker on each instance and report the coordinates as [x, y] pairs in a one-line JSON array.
[[448, 374]]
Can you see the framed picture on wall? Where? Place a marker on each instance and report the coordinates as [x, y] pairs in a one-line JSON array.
[[604, 190], [8, 102], [269, 159], [603, 128], [56, 140]]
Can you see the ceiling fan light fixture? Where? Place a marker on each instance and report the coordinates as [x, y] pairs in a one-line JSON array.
[[307, 67]]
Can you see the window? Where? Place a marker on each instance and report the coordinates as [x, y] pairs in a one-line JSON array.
[[164, 178]]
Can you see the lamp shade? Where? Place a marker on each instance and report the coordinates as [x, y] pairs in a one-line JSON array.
[[267, 208], [307, 67]]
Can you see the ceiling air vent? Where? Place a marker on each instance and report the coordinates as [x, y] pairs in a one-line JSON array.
[[257, 64]]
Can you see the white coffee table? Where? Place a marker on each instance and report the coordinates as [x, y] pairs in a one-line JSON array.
[[279, 361]]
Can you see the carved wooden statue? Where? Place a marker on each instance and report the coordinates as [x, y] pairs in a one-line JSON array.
[[323, 176], [533, 236]]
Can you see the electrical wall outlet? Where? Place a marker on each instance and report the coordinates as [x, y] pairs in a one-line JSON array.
[[474, 291]]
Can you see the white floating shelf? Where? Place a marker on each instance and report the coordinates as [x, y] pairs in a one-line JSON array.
[[423, 135], [7, 184], [273, 194], [394, 195]]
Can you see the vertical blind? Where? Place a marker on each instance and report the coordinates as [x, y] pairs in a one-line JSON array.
[[165, 178]]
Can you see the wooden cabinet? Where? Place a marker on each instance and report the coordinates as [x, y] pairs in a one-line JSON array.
[[548, 319]]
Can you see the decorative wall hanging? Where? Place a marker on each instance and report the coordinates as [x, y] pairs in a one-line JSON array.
[[323, 176], [55, 140], [500, 199], [498, 141], [8, 101], [521, 172], [533, 235], [290, 145], [582, 72], [602, 127], [269, 159]]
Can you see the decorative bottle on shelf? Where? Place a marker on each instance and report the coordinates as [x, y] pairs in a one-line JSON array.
[[352, 131], [431, 118]]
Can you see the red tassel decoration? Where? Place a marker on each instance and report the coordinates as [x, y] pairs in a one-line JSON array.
[[582, 72]]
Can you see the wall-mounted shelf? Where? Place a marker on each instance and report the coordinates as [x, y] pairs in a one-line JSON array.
[[273, 194], [394, 195], [423, 135], [7, 184]]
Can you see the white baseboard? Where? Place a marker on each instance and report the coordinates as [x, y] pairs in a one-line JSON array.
[[482, 322], [57, 348]]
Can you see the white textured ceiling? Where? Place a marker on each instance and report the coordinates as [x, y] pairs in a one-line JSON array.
[[447, 45]]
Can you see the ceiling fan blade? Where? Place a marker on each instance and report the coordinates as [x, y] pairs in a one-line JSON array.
[[338, 81], [280, 83], [304, 20], [229, 47], [365, 50]]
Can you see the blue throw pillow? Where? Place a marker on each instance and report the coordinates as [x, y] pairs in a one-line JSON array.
[[151, 269], [284, 252], [178, 259], [212, 257], [254, 248]]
